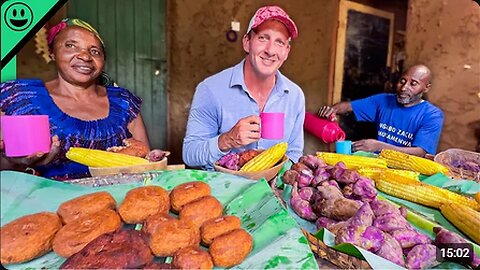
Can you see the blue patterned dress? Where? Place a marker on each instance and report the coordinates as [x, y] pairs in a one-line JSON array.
[[31, 97]]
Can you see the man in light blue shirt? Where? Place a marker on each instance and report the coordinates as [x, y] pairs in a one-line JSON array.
[[224, 116]]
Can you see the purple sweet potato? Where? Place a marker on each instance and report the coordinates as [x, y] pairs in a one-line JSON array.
[[364, 189], [307, 193], [300, 167], [403, 211], [334, 228], [363, 217], [337, 170], [391, 250], [380, 207], [312, 162], [408, 238], [290, 177], [347, 191], [369, 238], [390, 222], [301, 206], [444, 236], [422, 256], [339, 209], [330, 182], [230, 161], [348, 177], [324, 222], [320, 175], [328, 193], [305, 174]]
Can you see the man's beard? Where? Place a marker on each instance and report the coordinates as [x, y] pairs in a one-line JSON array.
[[409, 100]]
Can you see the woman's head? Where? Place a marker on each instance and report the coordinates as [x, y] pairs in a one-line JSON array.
[[77, 50]]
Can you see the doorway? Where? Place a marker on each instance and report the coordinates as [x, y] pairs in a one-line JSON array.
[[364, 54]]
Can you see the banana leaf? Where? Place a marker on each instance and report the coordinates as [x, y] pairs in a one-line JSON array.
[[466, 187], [278, 240]]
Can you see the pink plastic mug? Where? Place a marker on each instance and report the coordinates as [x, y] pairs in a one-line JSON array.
[[272, 125], [25, 135]]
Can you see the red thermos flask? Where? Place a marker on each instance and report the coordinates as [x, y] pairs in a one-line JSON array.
[[323, 129]]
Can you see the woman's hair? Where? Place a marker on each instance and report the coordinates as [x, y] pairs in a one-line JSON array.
[[55, 30]]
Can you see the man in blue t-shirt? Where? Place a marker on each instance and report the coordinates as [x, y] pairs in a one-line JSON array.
[[405, 122]]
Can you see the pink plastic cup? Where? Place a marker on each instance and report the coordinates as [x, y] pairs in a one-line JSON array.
[[272, 125], [24, 135]]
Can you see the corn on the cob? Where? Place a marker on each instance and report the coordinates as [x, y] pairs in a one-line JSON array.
[[266, 159], [376, 172], [100, 158], [352, 162], [399, 160], [464, 218], [418, 192]]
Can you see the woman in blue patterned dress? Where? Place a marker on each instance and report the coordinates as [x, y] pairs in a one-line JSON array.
[[83, 109]]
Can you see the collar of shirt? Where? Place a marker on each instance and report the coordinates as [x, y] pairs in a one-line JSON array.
[[280, 87]]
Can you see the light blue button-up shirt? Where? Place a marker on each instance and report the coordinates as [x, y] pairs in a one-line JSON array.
[[221, 100]]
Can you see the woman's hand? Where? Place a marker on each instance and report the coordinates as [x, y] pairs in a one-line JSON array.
[[35, 159]]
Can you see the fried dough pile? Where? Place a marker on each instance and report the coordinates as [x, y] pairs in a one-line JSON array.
[[187, 224]]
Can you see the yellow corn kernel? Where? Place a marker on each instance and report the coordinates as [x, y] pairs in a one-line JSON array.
[[419, 192], [399, 160], [464, 218], [266, 159], [352, 162], [100, 158], [376, 172]]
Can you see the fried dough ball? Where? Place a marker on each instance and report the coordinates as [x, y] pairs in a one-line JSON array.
[[246, 156], [201, 210], [132, 148], [231, 248], [85, 205], [192, 258], [28, 237], [174, 235], [217, 227], [155, 223], [142, 202], [75, 235], [188, 192]]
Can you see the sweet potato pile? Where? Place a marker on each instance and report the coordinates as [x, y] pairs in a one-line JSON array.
[[346, 204]]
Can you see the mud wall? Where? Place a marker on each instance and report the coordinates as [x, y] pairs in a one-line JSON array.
[[444, 35]]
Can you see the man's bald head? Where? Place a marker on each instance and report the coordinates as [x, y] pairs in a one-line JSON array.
[[413, 84], [422, 70]]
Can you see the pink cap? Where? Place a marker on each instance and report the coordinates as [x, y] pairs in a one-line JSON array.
[[275, 13]]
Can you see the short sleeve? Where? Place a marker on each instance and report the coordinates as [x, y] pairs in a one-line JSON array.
[[365, 109], [429, 132], [16, 96], [125, 102], [7, 91]]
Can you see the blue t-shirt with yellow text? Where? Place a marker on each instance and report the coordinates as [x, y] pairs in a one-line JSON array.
[[416, 126]]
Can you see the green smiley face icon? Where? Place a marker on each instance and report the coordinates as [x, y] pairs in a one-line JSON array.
[[18, 16]]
